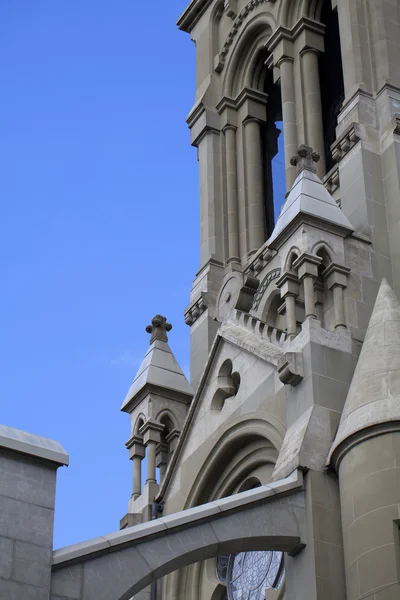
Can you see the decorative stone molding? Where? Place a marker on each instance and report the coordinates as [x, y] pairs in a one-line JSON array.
[[195, 310], [332, 183], [270, 276], [290, 368], [259, 261], [265, 332], [237, 24], [230, 7], [345, 142]]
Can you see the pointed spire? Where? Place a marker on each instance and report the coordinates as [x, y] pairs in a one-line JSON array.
[[374, 394], [159, 368], [308, 198]]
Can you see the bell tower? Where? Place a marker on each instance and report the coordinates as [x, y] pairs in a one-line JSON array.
[[324, 74]]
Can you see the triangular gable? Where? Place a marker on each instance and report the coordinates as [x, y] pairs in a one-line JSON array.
[[237, 334]]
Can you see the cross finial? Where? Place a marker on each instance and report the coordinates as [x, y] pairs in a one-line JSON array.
[[158, 329], [305, 158]]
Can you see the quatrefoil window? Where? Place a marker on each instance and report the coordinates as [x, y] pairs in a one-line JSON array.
[[228, 384]]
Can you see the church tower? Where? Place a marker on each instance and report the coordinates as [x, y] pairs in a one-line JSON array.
[[324, 73], [291, 377]]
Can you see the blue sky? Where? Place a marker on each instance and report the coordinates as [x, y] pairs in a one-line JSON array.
[[99, 228]]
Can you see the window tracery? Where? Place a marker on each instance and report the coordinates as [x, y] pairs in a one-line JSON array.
[[247, 575]]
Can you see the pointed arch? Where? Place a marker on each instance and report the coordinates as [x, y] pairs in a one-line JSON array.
[[140, 421], [245, 62]]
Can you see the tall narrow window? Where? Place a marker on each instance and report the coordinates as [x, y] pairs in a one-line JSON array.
[[273, 154], [331, 77]]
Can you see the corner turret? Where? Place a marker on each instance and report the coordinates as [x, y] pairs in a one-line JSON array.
[[157, 403]]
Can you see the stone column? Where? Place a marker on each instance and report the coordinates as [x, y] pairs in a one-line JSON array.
[[251, 112], [307, 269], [162, 460], [312, 105], [336, 277], [255, 184], [151, 432], [136, 454], [232, 193], [285, 65], [290, 287]]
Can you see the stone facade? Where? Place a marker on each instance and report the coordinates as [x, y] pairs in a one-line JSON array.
[[287, 438]]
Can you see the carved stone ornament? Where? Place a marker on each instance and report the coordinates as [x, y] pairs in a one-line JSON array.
[[238, 21], [158, 329], [290, 368], [305, 158]]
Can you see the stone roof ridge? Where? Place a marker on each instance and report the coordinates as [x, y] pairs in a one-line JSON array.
[[373, 400], [308, 197], [159, 367]]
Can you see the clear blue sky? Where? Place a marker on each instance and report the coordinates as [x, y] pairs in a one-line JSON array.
[[99, 228]]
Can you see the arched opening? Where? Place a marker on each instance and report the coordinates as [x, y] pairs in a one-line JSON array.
[[273, 153], [324, 298], [164, 447], [331, 78]]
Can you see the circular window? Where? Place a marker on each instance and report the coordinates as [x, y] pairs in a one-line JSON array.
[[248, 575]]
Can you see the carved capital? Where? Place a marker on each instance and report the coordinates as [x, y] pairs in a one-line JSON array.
[[151, 432], [336, 275], [307, 265], [289, 284], [136, 447]]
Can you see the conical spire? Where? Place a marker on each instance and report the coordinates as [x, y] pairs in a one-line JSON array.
[[159, 367], [374, 394], [308, 197]]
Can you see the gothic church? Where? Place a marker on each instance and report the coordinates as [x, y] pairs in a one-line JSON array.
[[274, 474]]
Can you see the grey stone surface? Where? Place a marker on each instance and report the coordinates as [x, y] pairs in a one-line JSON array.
[[26, 522], [146, 552], [374, 395], [28, 443], [22, 478], [6, 557]]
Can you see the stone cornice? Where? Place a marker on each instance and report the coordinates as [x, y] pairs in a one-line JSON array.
[[360, 436], [195, 310], [332, 183], [346, 142], [192, 14]]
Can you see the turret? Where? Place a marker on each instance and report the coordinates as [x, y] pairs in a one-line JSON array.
[[366, 455], [157, 403]]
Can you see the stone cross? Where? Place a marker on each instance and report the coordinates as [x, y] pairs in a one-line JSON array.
[[158, 329], [305, 158]]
